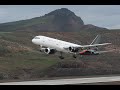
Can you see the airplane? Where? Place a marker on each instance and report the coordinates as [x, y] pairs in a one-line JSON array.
[[50, 45]]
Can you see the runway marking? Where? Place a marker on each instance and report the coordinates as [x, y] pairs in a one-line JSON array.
[[66, 81]]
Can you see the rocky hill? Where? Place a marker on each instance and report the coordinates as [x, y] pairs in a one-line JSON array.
[[58, 20]]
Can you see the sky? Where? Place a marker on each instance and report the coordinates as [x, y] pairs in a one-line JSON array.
[[107, 16]]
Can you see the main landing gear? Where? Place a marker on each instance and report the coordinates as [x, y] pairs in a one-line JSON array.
[[61, 57], [74, 55]]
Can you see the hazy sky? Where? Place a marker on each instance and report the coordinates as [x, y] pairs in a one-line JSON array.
[[100, 15]]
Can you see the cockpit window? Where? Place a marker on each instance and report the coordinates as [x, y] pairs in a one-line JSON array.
[[36, 38]]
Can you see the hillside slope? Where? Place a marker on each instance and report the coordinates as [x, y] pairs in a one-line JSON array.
[[21, 60]]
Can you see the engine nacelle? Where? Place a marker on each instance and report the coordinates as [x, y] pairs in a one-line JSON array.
[[73, 49], [49, 51]]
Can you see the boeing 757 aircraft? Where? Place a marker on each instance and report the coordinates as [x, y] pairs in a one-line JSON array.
[[51, 46]]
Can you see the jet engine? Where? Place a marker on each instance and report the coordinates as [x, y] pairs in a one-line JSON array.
[[49, 51], [73, 49]]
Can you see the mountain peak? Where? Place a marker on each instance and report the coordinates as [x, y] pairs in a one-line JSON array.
[[65, 19], [61, 12]]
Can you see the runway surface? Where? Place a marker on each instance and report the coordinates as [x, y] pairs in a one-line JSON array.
[[66, 81]]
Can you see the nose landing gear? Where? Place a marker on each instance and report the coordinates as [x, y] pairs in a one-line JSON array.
[[61, 57]]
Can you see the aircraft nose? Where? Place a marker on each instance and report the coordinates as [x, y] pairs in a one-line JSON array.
[[33, 41]]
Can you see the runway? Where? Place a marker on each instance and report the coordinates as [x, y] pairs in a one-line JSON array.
[[66, 81]]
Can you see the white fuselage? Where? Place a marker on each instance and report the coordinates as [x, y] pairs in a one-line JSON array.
[[52, 43]]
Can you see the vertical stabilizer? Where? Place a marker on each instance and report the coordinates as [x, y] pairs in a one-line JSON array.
[[96, 40]]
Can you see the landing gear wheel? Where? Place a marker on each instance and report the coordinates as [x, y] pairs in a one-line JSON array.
[[61, 57], [74, 56]]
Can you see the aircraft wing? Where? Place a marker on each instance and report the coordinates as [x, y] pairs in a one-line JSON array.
[[94, 45], [87, 46]]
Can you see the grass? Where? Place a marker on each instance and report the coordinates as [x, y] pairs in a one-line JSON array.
[[26, 60]]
